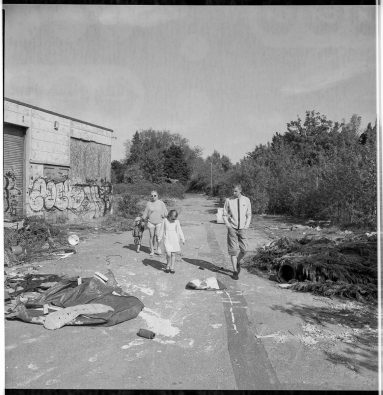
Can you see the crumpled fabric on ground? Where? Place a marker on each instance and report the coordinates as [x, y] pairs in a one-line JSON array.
[[59, 318], [68, 293], [209, 284]]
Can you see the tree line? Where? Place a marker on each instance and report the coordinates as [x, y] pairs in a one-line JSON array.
[[316, 169]]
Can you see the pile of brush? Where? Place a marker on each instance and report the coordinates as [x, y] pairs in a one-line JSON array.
[[34, 239], [343, 267]]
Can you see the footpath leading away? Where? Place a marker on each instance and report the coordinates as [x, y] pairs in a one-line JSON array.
[[253, 335]]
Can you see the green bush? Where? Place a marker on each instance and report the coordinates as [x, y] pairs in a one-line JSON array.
[[167, 190], [128, 205], [143, 189]]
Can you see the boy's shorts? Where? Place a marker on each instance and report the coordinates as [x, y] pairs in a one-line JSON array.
[[156, 227], [236, 241]]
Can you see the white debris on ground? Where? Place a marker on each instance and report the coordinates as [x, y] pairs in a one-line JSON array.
[[132, 288], [157, 324], [278, 337]]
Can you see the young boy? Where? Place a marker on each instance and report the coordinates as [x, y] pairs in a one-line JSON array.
[[138, 230]]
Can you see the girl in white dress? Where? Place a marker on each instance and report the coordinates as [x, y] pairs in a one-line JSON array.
[[171, 232]]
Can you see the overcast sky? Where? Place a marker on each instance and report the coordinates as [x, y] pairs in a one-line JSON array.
[[226, 78]]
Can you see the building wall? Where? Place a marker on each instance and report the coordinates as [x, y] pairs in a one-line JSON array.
[[68, 164]]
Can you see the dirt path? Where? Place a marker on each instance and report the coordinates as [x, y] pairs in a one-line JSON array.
[[253, 335]]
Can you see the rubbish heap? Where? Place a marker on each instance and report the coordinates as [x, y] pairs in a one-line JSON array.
[[344, 267], [55, 301], [34, 240]]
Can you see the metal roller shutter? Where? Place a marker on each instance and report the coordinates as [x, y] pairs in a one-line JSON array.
[[13, 161]]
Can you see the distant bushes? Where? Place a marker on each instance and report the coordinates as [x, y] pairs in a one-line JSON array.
[[316, 169], [128, 205], [143, 188]]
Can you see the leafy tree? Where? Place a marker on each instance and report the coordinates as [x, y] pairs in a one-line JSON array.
[[175, 165], [118, 169]]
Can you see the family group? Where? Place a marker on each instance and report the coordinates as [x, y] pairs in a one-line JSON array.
[[165, 226]]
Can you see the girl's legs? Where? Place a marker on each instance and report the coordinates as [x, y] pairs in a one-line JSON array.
[[173, 261], [139, 246], [168, 260]]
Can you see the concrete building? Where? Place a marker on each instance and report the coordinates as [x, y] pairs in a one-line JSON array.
[[54, 165]]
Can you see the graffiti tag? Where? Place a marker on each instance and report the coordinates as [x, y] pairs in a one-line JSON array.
[[79, 198], [10, 194]]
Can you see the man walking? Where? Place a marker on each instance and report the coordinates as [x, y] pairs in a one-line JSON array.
[[237, 217]]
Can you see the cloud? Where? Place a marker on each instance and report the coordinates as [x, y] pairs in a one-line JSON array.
[[137, 15], [318, 80], [321, 26]]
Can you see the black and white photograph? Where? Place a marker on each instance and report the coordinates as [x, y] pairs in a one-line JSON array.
[[191, 197]]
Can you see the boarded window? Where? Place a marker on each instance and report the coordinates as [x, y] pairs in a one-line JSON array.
[[89, 160]]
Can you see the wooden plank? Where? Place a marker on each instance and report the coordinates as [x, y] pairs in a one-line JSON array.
[[84, 135]]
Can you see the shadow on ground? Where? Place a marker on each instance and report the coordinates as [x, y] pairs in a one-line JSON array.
[[133, 247], [153, 263], [363, 351], [208, 266]]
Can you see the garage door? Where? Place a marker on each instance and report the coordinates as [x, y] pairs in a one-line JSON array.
[[13, 159]]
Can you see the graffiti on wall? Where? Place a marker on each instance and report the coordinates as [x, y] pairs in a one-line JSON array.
[[11, 194], [80, 199]]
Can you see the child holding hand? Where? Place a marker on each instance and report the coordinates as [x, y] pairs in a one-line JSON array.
[[172, 234], [138, 230]]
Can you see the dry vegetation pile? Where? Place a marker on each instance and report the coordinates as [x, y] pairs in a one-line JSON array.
[[36, 239], [342, 267]]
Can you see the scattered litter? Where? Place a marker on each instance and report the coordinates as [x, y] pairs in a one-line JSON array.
[[216, 326], [164, 341], [64, 255], [147, 334], [74, 302], [62, 317], [109, 258], [307, 340], [145, 290], [157, 324], [101, 276], [136, 342], [209, 284], [73, 240], [278, 337], [285, 285]]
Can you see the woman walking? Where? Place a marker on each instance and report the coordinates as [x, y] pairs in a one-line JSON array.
[[155, 212]]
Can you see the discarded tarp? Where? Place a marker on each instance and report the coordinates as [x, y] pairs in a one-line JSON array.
[[209, 284], [67, 292]]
